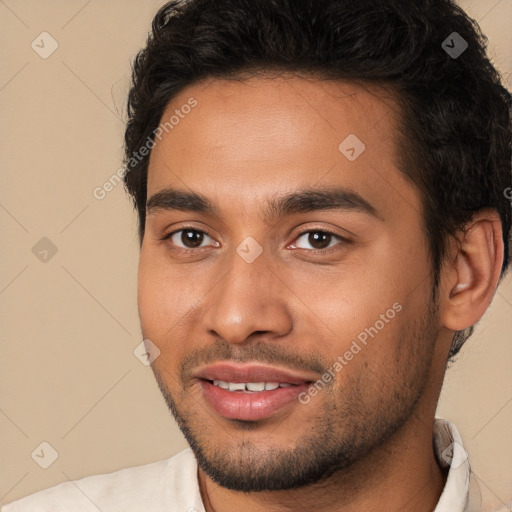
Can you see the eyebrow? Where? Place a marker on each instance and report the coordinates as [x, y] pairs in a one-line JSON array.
[[301, 201]]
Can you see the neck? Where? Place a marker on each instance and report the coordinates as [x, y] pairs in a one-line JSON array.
[[400, 475]]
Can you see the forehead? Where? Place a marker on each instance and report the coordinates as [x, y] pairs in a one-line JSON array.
[[268, 135]]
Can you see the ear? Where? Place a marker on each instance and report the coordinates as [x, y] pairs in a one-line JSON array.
[[472, 272]]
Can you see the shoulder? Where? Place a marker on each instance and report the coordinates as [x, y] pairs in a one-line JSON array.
[[149, 487]]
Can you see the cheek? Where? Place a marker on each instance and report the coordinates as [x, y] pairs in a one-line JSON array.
[[163, 303], [390, 363], [351, 296], [163, 295], [371, 310]]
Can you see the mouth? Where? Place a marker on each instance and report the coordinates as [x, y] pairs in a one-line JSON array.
[[250, 392], [250, 387], [251, 401]]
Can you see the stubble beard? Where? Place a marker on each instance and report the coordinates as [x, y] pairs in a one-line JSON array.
[[352, 423]]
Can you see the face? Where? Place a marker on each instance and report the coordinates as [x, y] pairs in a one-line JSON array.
[[284, 259]]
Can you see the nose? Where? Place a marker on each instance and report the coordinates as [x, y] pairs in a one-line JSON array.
[[249, 300]]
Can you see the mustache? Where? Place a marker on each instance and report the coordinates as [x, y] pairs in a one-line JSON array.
[[257, 352]]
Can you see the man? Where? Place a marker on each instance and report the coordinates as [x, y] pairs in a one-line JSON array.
[[323, 218]]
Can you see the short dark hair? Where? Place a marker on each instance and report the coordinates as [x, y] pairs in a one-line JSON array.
[[454, 123]]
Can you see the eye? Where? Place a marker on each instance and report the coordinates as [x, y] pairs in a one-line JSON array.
[[188, 238], [317, 240]]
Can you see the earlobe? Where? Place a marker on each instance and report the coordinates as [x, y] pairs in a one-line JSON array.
[[473, 275]]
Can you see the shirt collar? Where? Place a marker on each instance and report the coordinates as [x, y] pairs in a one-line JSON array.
[[461, 492]]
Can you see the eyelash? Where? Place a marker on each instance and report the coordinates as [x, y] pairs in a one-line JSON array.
[[182, 250]]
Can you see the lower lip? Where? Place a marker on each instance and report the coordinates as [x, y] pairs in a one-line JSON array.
[[239, 405]]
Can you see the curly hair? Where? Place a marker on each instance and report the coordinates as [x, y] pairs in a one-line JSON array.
[[455, 114]]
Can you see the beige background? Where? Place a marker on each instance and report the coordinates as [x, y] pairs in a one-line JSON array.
[[69, 326]]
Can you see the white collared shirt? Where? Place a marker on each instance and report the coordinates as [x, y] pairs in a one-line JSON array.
[[461, 492], [172, 485]]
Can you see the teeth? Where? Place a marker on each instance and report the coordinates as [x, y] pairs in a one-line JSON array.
[[236, 386], [251, 386], [255, 386]]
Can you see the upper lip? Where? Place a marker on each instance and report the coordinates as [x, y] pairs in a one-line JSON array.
[[232, 372]]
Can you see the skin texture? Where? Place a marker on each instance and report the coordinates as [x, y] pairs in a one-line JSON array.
[[365, 441]]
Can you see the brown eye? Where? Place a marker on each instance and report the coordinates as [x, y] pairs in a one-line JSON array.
[[190, 238], [317, 240]]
